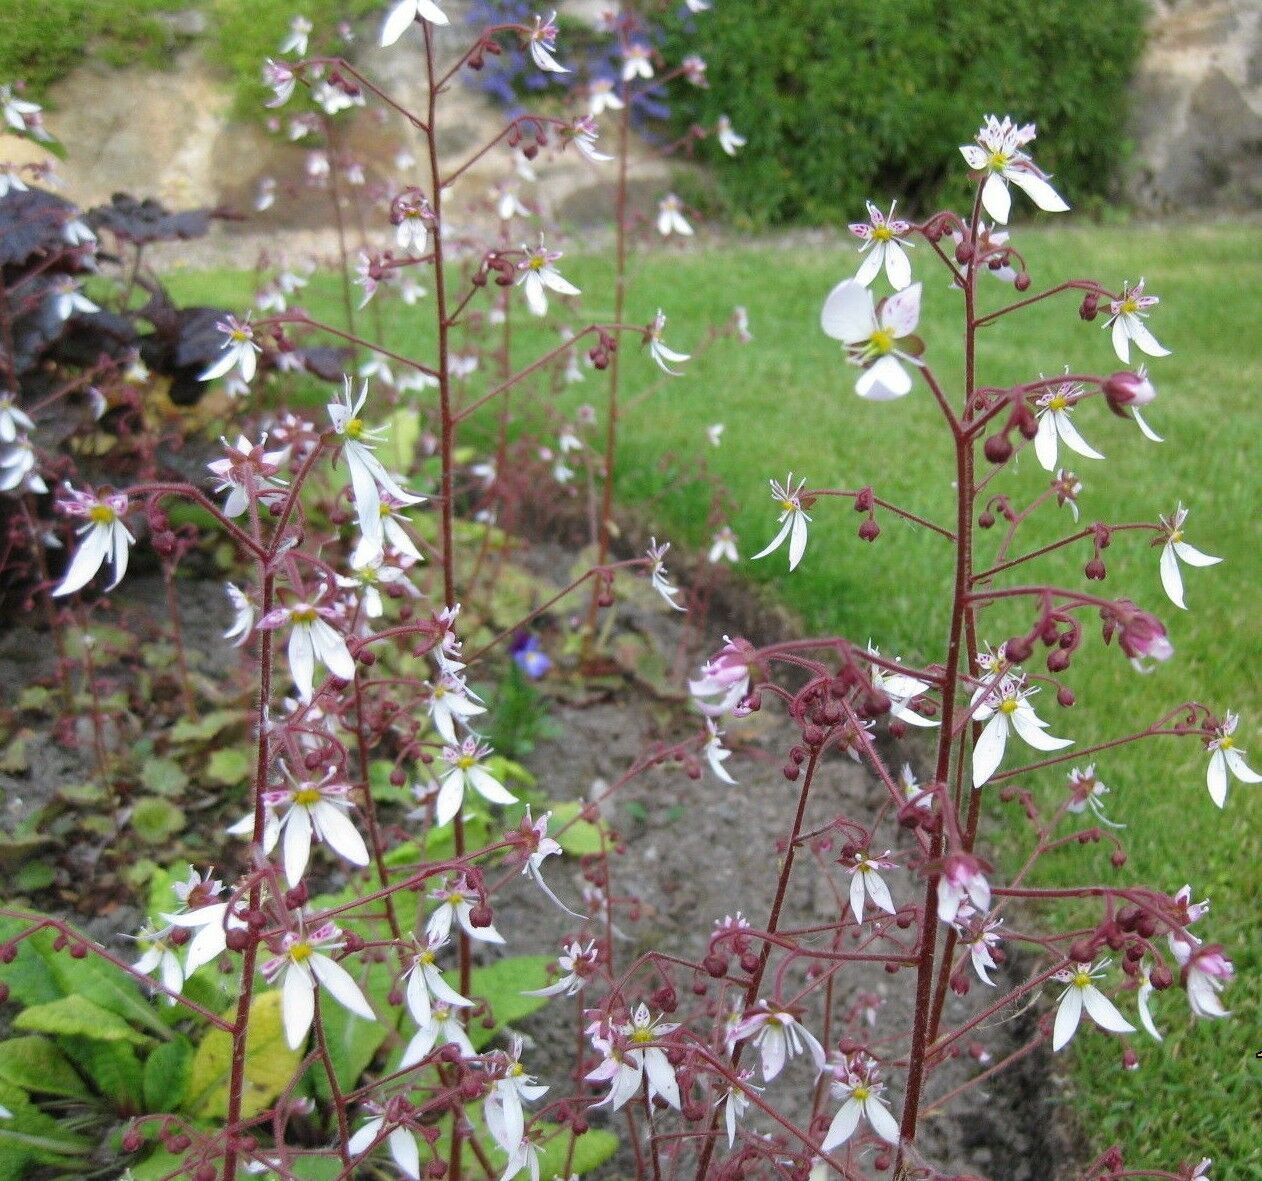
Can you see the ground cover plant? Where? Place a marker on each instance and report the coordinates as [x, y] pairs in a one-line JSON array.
[[360, 1019]]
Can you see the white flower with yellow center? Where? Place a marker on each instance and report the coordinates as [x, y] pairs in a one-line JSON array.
[[1127, 316], [778, 1036], [425, 983], [871, 335], [999, 153], [658, 350], [793, 521], [860, 1094], [404, 14], [538, 276], [670, 217], [1176, 549], [1083, 994], [304, 967], [305, 810], [103, 537], [882, 247], [239, 350], [866, 882], [1225, 757], [464, 771], [455, 902], [1005, 708], [1055, 408], [311, 640]]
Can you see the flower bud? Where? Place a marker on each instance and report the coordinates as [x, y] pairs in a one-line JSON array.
[[997, 449], [1128, 389], [132, 1140], [869, 530], [1065, 697], [1022, 281], [1057, 661], [1095, 570], [1161, 977], [1090, 305], [480, 915], [986, 520], [1130, 1060], [1018, 649], [1143, 635]]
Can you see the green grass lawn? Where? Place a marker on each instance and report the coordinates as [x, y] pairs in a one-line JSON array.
[[788, 404]]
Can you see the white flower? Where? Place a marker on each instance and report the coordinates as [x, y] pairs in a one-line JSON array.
[[1055, 407], [901, 689], [404, 13], [962, 878], [160, 955], [723, 546], [1006, 707], [281, 78], [1225, 757], [424, 984], [412, 216], [1083, 994], [979, 937], [371, 573], [316, 810], [504, 1110], [665, 357], [21, 114], [103, 537], [602, 96], [247, 471], [860, 1095], [77, 233], [369, 478], [542, 46], [998, 152], [68, 299], [443, 1026], [578, 963], [778, 1036], [851, 315], [866, 882], [670, 218], [305, 968], [13, 419], [729, 141], [538, 275], [296, 39], [880, 236], [1086, 791], [19, 468], [205, 915], [456, 902], [716, 754], [311, 639], [464, 770], [734, 1101], [912, 791], [239, 350], [583, 133], [1127, 321], [242, 616], [793, 521], [1143, 999], [657, 573], [1174, 549], [1206, 972], [630, 1058], [452, 701], [402, 1144], [637, 62]]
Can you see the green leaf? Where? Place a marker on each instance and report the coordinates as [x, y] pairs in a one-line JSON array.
[[229, 766], [164, 776], [114, 1069], [582, 838], [206, 727], [269, 1063], [591, 1150], [36, 1064], [76, 1015], [155, 820], [166, 1075], [34, 876], [501, 985], [35, 698], [30, 1137]]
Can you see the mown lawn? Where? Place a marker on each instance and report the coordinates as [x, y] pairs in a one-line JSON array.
[[788, 404]]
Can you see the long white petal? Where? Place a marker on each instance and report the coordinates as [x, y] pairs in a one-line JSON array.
[[1216, 778], [332, 650], [1121, 340], [661, 1076], [1104, 1012], [858, 893], [1192, 556], [406, 1155], [558, 282], [1031, 730], [489, 788], [419, 1047], [1171, 578], [1045, 441], [1239, 768], [879, 892], [297, 1005], [776, 541], [536, 297], [431, 12], [340, 833], [341, 986], [1039, 191], [843, 1125], [1146, 341], [848, 313], [450, 798], [870, 267], [988, 753], [362, 1140], [1073, 440], [1144, 428], [416, 996], [901, 312], [883, 1124], [996, 199], [1145, 1012], [797, 539], [1068, 1014], [884, 381], [302, 660], [297, 847], [86, 562], [897, 266], [401, 16]]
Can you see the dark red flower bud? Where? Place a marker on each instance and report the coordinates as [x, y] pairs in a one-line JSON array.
[[997, 449]]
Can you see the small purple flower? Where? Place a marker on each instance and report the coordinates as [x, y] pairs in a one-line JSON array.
[[528, 654]]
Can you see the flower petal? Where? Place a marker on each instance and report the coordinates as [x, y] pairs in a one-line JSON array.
[[1104, 1012], [996, 199], [1068, 1014], [988, 753], [848, 313], [341, 986], [297, 1005], [1171, 578]]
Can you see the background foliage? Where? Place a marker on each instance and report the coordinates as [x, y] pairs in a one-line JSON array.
[[846, 101]]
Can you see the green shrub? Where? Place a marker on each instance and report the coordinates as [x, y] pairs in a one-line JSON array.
[[853, 99]]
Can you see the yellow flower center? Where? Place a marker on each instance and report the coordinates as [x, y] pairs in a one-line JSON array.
[[1058, 402], [788, 506], [881, 341], [536, 263], [455, 898], [861, 1093], [1008, 706], [882, 233], [238, 336], [425, 958], [306, 796], [1225, 743], [1129, 306], [304, 615], [998, 161], [300, 952], [1081, 979], [1176, 535], [439, 691], [102, 514], [641, 1036], [355, 428], [464, 762], [516, 1070]]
